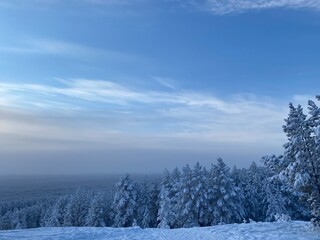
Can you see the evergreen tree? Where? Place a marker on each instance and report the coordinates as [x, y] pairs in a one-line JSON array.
[[6, 221], [191, 197], [154, 204], [275, 200], [144, 204], [77, 209], [56, 215], [185, 197], [19, 219], [301, 160], [255, 193], [239, 179], [146, 217], [226, 207], [125, 202], [199, 189], [168, 199], [97, 214]]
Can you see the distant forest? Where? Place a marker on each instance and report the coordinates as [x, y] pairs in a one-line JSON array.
[[283, 188]]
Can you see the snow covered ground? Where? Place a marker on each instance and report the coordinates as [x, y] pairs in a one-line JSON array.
[[251, 231]]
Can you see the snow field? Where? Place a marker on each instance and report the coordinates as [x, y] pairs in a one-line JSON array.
[[294, 230]]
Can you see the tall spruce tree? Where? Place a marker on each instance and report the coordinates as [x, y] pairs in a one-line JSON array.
[[226, 208], [77, 209], [168, 215], [97, 214], [125, 203], [301, 160]]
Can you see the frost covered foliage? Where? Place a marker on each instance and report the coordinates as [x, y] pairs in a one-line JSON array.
[[226, 205], [199, 197], [168, 197], [97, 215], [192, 196], [299, 166], [125, 203]]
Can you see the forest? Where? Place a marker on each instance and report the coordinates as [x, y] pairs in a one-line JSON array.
[[278, 188]]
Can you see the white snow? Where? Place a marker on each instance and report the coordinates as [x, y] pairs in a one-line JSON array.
[[246, 231]]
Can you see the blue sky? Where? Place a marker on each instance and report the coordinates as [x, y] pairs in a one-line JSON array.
[[159, 83]]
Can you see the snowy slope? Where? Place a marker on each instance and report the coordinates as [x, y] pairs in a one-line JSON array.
[[274, 231]]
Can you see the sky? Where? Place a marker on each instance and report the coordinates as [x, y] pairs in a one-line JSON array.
[[114, 86]]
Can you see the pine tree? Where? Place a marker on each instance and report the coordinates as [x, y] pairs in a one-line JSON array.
[[154, 204], [6, 221], [255, 193], [97, 213], [191, 197], [170, 185], [146, 218], [187, 217], [77, 209], [275, 200], [200, 205], [125, 202], [144, 205], [19, 219], [239, 177], [225, 208], [301, 160], [55, 217]]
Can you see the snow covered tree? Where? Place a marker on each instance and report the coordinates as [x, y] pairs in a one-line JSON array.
[[301, 160], [77, 209], [146, 217], [199, 189], [33, 215], [144, 205], [184, 207], [55, 217], [97, 215], [167, 213], [255, 193], [226, 208], [6, 221], [125, 203], [275, 200], [191, 204], [19, 219], [239, 177], [154, 204]]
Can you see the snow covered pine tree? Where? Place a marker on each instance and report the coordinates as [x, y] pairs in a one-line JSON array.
[[125, 203], [301, 160]]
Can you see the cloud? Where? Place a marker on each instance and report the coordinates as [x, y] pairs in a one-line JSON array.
[[114, 2], [23, 130], [166, 82], [103, 91], [97, 113], [38, 46], [50, 3], [219, 7], [237, 6]]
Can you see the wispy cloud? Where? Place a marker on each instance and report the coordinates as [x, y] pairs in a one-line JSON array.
[[166, 82], [219, 7], [50, 3], [111, 92], [115, 2], [117, 115], [237, 6], [43, 46], [65, 49]]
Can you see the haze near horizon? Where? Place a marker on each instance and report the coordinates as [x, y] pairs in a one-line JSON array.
[[103, 86]]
